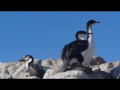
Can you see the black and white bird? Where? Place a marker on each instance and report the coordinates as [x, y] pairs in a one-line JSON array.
[[25, 58], [32, 68], [78, 49], [91, 48]]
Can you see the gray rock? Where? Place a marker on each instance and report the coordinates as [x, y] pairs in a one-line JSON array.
[[49, 62], [73, 74], [58, 63], [116, 72], [16, 70], [76, 74], [101, 75], [101, 70], [38, 61], [5, 74], [96, 60], [19, 70]]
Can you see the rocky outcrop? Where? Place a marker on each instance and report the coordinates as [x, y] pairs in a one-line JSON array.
[[96, 60], [100, 69], [16, 70]]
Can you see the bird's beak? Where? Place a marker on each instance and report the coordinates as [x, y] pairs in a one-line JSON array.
[[22, 59], [97, 22]]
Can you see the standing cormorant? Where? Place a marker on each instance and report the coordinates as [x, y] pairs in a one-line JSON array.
[[79, 49]]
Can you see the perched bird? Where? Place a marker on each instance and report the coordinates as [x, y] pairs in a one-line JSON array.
[[78, 50], [32, 68], [91, 48]]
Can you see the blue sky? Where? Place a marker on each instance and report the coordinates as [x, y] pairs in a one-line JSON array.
[[43, 34]]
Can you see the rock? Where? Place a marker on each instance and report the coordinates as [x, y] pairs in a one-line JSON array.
[[99, 69], [58, 63], [100, 75], [48, 73], [96, 60], [9, 67], [116, 72], [12, 68], [16, 70], [38, 61], [107, 67], [30, 77], [96, 68], [72, 74], [49, 62], [5, 74], [77, 74], [19, 70]]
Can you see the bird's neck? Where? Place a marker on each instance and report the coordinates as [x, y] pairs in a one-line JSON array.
[[90, 35], [28, 63], [89, 29]]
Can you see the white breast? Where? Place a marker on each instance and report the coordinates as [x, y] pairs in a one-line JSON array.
[[89, 52]]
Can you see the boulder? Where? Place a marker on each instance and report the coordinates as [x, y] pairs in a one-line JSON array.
[[99, 69]]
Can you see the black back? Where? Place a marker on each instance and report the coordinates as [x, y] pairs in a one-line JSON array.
[[74, 49]]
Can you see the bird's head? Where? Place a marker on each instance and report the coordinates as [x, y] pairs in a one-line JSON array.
[[81, 35], [91, 22], [27, 58]]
